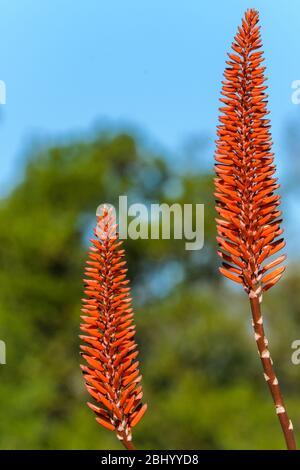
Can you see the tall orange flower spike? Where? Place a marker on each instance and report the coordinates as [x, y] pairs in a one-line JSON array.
[[249, 224], [112, 376]]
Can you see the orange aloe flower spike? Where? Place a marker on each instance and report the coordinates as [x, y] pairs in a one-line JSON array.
[[246, 200], [111, 371]]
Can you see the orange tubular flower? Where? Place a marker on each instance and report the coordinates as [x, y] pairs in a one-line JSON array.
[[112, 376], [249, 224]]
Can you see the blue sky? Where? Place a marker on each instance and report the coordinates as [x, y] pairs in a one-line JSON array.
[[70, 65]]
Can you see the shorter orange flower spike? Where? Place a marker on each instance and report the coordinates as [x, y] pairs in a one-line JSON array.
[[111, 372]]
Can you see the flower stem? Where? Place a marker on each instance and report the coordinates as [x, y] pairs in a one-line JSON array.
[[269, 374], [128, 444]]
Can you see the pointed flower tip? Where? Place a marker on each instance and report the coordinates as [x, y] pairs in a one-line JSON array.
[[251, 13]]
